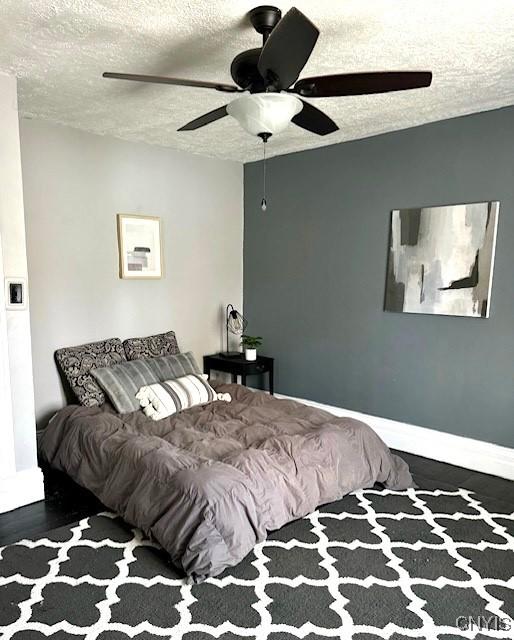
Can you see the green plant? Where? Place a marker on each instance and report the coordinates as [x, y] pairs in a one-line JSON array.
[[250, 342]]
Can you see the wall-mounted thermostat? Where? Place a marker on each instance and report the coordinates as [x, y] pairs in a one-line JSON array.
[[15, 293]]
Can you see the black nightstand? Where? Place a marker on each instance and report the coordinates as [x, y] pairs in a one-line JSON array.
[[238, 366]]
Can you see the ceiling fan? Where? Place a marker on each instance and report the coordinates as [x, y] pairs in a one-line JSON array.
[[270, 75]]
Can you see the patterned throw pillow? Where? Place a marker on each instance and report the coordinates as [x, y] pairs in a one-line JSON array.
[[122, 381], [76, 364], [166, 398], [162, 344]]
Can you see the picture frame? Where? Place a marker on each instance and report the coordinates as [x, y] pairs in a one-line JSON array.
[[139, 247], [441, 259]]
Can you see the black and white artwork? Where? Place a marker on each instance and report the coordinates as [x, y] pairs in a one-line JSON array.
[[139, 245], [441, 259]]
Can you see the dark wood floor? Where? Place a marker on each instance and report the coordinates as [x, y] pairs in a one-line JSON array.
[[66, 502]]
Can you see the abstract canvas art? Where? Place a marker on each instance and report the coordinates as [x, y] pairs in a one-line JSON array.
[[441, 259], [139, 243]]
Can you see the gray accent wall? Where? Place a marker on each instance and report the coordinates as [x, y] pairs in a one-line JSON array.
[[74, 185], [315, 268]]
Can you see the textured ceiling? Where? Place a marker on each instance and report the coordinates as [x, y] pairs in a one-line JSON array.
[[59, 49]]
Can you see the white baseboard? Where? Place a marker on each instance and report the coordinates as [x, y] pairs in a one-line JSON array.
[[21, 488], [429, 443]]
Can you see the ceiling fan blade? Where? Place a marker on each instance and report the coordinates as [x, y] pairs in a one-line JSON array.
[[218, 86], [314, 120], [207, 118], [356, 84], [287, 49]]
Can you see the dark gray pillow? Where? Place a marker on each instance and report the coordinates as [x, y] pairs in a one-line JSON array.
[[162, 344], [122, 381], [76, 363]]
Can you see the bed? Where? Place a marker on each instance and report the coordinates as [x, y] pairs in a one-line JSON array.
[[209, 482]]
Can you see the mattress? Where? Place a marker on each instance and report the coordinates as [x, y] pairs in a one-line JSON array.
[[209, 483]]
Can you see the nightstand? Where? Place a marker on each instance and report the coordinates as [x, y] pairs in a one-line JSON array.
[[238, 366]]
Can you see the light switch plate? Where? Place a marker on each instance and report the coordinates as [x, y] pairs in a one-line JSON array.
[[15, 293]]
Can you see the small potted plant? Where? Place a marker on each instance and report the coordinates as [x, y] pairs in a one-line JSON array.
[[250, 344]]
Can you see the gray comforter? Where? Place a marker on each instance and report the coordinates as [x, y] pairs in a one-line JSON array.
[[208, 483]]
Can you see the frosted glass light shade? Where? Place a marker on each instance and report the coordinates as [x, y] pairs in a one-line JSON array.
[[264, 112]]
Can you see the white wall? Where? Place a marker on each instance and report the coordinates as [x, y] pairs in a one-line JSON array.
[[7, 454], [20, 479], [74, 184], [12, 232]]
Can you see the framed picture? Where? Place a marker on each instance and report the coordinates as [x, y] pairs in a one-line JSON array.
[[441, 259], [139, 245]]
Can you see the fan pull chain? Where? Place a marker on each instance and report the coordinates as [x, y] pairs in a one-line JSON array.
[[264, 204]]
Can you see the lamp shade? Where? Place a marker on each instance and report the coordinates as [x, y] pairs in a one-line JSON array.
[[236, 323], [264, 112]]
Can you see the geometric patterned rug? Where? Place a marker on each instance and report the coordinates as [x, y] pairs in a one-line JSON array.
[[396, 565]]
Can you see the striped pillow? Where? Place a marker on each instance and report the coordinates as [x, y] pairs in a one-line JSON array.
[[122, 381], [166, 398]]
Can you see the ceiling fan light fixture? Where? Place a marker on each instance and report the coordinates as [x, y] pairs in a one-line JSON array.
[[260, 113]]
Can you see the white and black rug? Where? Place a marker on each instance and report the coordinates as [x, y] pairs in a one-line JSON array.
[[377, 564]]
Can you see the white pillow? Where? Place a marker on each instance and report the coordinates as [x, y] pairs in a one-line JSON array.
[[163, 399]]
